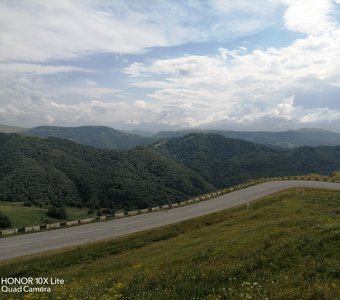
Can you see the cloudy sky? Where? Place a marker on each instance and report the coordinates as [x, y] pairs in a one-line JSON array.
[[157, 64]]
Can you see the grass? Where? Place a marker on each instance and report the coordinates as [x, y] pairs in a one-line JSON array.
[[335, 175], [285, 247], [22, 216]]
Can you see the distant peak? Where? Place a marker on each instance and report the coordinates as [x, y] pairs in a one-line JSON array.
[[311, 130]]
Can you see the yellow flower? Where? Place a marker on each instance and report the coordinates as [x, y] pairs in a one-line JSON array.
[[120, 286]]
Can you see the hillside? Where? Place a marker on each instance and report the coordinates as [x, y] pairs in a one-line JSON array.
[[288, 139], [95, 136], [60, 172], [10, 129], [224, 162], [285, 139], [284, 247], [109, 138]]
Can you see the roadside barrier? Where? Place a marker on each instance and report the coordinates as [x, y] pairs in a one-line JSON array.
[[86, 221], [30, 229]]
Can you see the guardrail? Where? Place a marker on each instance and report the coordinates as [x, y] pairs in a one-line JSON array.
[[30, 229]]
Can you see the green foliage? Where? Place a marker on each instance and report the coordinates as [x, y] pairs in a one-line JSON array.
[[5, 222], [61, 172], [24, 216], [57, 212], [225, 162]]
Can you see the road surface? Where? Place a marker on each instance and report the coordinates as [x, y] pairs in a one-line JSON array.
[[20, 245]]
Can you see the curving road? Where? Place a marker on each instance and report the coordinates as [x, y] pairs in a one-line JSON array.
[[20, 245]]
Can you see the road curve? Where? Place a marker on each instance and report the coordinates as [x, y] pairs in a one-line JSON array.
[[20, 245]]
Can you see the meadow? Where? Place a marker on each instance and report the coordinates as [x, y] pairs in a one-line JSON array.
[[285, 246], [22, 216]]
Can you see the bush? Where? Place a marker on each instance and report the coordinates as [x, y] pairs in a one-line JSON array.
[[5, 222], [109, 211], [57, 212]]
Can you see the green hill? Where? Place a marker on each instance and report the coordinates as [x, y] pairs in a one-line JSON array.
[[286, 139], [60, 172], [109, 138], [96, 136], [224, 162]]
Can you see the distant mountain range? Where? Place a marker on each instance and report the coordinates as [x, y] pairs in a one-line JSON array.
[[95, 136], [109, 138], [59, 171], [286, 139]]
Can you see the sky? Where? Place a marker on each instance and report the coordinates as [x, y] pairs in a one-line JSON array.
[[158, 65]]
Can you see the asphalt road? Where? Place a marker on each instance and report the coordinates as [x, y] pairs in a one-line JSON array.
[[20, 245]]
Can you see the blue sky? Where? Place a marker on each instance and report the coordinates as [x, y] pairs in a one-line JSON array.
[[154, 65]]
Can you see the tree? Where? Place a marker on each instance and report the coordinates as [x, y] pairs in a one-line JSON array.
[[5, 222], [57, 212]]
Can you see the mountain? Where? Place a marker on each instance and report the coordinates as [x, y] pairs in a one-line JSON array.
[[96, 136], [224, 161], [60, 172], [10, 129], [109, 138], [290, 138], [286, 139]]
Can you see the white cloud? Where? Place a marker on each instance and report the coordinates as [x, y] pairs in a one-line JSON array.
[[312, 16], [20, 103], [90, 82], [321, 116], [139, 104], [37, 69], [86, 91], [44, 30], [239, 86], [249, 87]]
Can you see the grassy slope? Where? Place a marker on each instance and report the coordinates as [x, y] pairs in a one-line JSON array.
[[22, 216], [285, 247]]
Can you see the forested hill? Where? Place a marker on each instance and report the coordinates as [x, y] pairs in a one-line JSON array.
[[224, 162], [96, 136], [109, 138], [286, 139], [61, 171]]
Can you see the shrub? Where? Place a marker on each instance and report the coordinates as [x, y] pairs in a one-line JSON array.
[[5, 222], [57, 212]]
